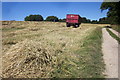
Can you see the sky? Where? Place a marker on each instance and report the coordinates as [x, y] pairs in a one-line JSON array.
[[19, 10]]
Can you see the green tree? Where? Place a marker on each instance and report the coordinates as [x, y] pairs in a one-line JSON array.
[[113, 11], [52, 18], [94, 22], [88, 21], [103, 20], [85, 20], [34, 18]]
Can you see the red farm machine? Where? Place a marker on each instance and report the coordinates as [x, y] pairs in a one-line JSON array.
[[73, 20]]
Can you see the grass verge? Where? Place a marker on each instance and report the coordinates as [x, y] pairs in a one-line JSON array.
[[113, 35], [90, 62]]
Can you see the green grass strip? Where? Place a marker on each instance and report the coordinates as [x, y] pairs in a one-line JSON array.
[[89, 63], [113, 35], [91, 56]]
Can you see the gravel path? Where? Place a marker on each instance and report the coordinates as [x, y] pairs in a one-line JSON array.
[[110, 55]]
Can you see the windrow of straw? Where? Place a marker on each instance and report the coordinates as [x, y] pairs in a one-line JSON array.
[[28, 59]]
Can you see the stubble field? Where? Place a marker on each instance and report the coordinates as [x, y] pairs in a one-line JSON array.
[[50, 49]]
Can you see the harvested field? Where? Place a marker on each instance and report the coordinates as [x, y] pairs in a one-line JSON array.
[[50, 49]]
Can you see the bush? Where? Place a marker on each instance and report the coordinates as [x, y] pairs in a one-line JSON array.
[[34, 18], [52, 18]]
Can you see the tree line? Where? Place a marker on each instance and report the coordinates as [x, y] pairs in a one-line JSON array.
[[40, 18], [56, 19]]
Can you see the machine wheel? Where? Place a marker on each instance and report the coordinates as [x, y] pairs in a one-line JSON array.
[[76, 25], [68, 25]]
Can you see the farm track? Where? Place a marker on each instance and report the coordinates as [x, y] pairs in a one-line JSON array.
[[110, 55], [115, 32]]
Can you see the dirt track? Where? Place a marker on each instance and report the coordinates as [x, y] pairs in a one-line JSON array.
[[110, 55], [115, 32]]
